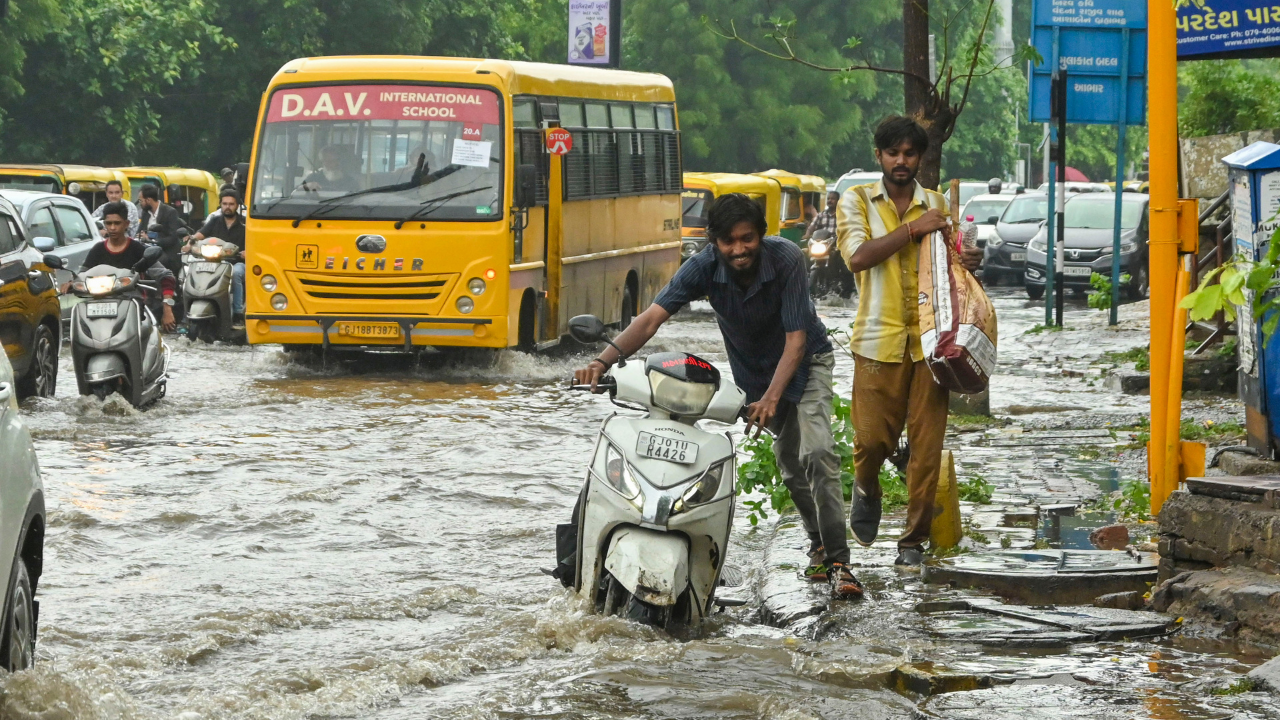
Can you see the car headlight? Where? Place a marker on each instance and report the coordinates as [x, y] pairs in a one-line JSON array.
[[817, 248], [704, 490], [211, 252], [995, 240], [269, 283], [100, 284], [1127, 247], [1038, 244], [619, 474]]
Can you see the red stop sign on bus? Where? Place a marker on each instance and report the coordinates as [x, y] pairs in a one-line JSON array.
[[559, 141]]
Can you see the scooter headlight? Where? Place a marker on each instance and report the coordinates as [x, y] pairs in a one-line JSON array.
[[704, 490], [211, 252], [620, 474], [817, 248], [100, 284]]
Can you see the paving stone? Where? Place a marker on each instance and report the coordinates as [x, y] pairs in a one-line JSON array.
[[1111, 537]]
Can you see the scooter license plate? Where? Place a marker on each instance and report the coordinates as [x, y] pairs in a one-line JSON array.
[[665, 448], [1018, 257], [369, 330], [204, 267], [101, 310]]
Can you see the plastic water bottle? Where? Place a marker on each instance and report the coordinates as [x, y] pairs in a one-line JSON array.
[[968, 233]]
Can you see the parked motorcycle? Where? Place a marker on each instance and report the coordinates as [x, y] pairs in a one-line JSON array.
[[115, 339], [654, 516], [206, 289]]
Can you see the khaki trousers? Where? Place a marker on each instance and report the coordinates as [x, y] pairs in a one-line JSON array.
[[885, 395]]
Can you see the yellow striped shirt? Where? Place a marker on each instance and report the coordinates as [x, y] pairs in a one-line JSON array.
[[887, 327]]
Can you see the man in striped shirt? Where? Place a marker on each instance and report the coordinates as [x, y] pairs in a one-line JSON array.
[[880, 227]]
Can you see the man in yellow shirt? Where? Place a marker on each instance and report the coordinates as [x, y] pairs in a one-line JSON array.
[[879, 227]]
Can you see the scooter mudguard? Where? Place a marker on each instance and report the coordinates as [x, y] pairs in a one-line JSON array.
[[202, 310], [653, 566], [103, 367]]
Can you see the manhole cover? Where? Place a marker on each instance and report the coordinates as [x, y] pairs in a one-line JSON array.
[[1072, 577]]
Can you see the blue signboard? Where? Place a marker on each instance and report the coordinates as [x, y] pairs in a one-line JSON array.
[[1087, 36], [1224, 28]]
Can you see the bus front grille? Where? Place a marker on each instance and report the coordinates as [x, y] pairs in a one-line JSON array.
[[373, 293]]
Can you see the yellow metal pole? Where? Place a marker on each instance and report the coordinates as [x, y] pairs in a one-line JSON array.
[[555, 246], [1162, 121], [1173, 419]]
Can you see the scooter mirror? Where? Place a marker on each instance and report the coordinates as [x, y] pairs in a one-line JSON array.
[[149, 257], [54, 262], [586, 329]]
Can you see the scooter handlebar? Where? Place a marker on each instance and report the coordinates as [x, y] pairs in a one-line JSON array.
[[603, 384]]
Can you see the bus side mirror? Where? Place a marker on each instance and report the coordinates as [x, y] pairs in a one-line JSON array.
[[526, 185]]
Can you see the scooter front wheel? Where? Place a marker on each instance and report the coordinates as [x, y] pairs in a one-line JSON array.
[[101, 391]]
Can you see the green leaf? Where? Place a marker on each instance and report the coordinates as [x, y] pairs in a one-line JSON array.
[[1208, 302], [1260, 277]]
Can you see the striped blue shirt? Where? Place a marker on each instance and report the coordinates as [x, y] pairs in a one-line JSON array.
[[755, 321]]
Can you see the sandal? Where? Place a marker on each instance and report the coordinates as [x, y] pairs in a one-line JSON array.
[[844, 586], [817, 570]]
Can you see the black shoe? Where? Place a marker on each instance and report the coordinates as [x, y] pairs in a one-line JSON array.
[[910, 557], [864, 518]]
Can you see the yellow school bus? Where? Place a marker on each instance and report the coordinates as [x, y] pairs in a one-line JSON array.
[[411, 201], [701, 188]]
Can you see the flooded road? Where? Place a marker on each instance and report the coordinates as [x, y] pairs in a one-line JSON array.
[[280, 540]]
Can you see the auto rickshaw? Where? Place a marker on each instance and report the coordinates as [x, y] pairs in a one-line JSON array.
[[87, 182], [194, 193], [814, 194], [700, 189], [791, 219]]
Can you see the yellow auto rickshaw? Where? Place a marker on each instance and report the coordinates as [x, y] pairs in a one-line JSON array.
[[193, 192], [814, 194], [791, 218], [87, 182], [702, 188]]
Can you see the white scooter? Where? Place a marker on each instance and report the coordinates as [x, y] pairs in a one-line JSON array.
[[654, 516]]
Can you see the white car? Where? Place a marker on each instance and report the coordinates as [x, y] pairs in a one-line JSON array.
[[22, 519], [59, 225], [985, 210], [856, 176]]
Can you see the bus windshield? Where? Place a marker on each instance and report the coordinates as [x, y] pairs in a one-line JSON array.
[[380, 152]]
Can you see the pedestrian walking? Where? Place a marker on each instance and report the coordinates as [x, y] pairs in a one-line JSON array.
[[781, 358], [880, 227]]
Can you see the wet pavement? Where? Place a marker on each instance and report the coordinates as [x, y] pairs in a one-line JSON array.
[[282, 540]]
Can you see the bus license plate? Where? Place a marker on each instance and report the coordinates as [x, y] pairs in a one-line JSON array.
[[369, 330], [1018, 257], [204, 267], [1077, 271], [665, 448], [101, 310]]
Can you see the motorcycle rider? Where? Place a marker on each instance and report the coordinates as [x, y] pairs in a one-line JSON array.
[[118, 250], [163, 220], [229, 227], [115, 193], [780, 356]]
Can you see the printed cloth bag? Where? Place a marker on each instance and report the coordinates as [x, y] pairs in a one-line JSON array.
[[957, 320]]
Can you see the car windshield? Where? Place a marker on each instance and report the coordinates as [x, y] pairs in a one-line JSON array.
[[983, 210], [42, 183], [1025, 209], [695, 204], [968, 190], [323, 144], [1096, 213]]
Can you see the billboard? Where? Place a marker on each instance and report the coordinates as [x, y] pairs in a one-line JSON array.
[[591, 33], [1228, 28]]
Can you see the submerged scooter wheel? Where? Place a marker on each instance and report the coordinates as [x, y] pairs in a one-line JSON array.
[[646, 614], [101, 391]]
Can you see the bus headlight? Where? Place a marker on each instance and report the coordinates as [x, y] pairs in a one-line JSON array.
[[465, 305], [279, 301], [269, 283], [476, 286]]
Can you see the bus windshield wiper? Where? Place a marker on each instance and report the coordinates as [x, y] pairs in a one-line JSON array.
[[418, 178], [432, 204]]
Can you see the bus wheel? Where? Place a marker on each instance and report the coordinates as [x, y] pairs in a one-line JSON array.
[[525, 339], [628, 308]]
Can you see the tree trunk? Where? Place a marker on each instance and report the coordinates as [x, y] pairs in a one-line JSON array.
[[920, 101], [938, 122]]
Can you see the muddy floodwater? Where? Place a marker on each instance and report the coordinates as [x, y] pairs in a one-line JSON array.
[[278, 539]]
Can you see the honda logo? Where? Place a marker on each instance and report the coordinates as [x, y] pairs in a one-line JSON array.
[[1075, 254], [371, 243]]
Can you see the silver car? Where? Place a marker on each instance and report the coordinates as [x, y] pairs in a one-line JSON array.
[[69, 228], [22, 524]]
